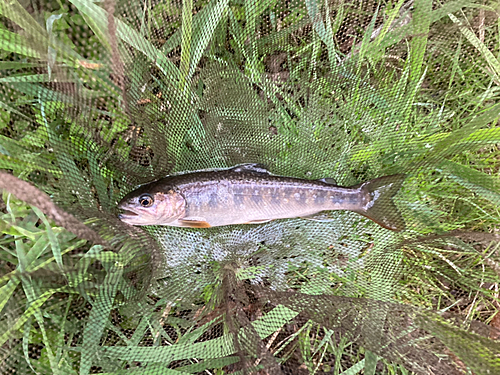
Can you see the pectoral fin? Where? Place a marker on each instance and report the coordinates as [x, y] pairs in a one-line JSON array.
[[195, 222]]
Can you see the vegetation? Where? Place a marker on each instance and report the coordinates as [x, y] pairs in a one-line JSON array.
[[364, 90]]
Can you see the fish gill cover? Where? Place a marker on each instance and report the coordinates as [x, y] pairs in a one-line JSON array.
[[97, 97]]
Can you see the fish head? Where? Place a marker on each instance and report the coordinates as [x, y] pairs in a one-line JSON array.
[[148, 207]]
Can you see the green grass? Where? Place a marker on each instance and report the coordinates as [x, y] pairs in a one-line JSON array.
[[199, 82]]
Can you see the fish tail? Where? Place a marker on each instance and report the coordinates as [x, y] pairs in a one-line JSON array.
[[379, 206]]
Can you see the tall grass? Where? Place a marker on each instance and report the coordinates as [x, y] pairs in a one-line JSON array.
[[396, 108]]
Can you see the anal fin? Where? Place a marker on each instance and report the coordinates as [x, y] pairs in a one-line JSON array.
[[320, 216], [259, 221]]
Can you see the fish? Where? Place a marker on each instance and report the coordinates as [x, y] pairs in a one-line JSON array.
[[250, 194]]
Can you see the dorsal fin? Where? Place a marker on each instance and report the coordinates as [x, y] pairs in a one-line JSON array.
[[252, 167], [328, 180]]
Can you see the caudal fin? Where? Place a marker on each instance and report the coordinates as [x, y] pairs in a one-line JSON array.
[[380, 207]]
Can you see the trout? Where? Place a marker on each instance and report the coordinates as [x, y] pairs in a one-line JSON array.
[[249, 194]]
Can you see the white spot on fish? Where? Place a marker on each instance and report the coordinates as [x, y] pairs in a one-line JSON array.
[[375, 195], [297, 196], [285, 200]]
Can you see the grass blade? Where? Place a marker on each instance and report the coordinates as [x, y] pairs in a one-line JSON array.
[[323, 32], [371, 360], [354, 369], [11, 110], [30, 78], [474, 180], [202, 37], [394, 12], [155, 369], [32, 309], [492, 61], [7, 290], [448, 146], [491, 114], [396, 35], [99, 317], [212, 349], [187, 30], [29, 290], [13, 42], [484, 136], [14, 11], [209, 364], [421, 25], [25, 343], [98, 179], [36, 34], [128, 35], [6, 65], [54, 243], [175, 40]]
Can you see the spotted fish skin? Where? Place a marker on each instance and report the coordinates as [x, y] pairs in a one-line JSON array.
[[250, 194]]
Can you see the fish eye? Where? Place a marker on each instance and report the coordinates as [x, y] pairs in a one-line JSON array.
[[146, 200]]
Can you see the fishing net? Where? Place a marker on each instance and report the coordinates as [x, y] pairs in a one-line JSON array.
[[98, 97]]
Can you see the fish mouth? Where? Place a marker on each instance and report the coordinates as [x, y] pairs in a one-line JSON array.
[[127, 213], [128, 216]]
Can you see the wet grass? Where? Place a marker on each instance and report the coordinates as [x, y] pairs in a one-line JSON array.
[[420, 98]]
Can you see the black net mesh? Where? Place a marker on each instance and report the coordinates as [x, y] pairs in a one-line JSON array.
[[97, 97]]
